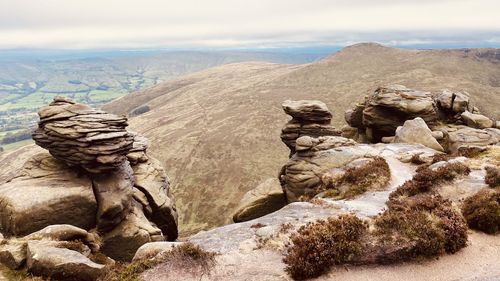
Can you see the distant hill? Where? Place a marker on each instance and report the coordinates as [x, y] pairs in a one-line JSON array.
[[30, 79], [217, 131]]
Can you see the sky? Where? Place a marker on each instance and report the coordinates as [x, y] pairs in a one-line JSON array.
[[131, 24]]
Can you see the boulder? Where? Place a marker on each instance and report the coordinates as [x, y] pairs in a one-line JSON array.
[[65, 232], [135, 230], [476, 120], [153, 192], [453, 102], [113, 191], [416, 131], [266, 198], [48, 260], [464, 137], [389, 107], [46, 192], [307, 110], [150, 250], [82, 136], [13, 254]]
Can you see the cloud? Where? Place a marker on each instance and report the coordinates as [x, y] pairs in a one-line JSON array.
[[256, 23]]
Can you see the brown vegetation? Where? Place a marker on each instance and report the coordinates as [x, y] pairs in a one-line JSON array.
[[425, 179], [318, 246], [492, 177], [482, 210], [186, 256], [424, 225]]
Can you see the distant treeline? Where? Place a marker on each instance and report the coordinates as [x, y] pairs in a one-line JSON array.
[[15, 137]]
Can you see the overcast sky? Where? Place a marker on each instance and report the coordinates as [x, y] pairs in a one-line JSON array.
[[249, 23]]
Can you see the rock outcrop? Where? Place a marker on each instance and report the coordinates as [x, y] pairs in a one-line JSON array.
[[309, 118], [97, 176], [82, 136], [388, 108], [266, 198]]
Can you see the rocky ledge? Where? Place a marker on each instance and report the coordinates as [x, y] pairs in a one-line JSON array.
[[97, 192]]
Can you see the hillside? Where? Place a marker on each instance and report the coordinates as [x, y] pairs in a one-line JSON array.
[[217, 131], [29, 80]]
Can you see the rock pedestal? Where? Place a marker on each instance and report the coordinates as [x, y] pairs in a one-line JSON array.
[[97, 176], [309, 118]]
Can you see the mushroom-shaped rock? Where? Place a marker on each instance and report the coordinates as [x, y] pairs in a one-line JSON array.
[[416, 131], [82, 136], [309, 118]]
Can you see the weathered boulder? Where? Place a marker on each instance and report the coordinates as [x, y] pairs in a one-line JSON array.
[[309, 118], [13, 254], [389, 107], [266, 198], [476, 120], [416, 131], [465, 137], [307, 110], [153, 192], [150, 250], [46, 192], [113, 191], [135, 230], [82, 136], [47, 259], [65, 232], [452, 104]]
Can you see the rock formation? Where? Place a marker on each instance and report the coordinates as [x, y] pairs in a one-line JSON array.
[[82, 136], [266, 198], [387, 108], [98, 177], [309, 118]]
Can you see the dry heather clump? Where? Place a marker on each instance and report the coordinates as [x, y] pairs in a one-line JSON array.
[[425, 179], [187, 257], [372, 175], [425, 225], [492, 177], [318, 246], [482, 211]]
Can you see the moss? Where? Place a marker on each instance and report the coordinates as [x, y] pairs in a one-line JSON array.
[[318, 246], [492, 177], [482, 211]]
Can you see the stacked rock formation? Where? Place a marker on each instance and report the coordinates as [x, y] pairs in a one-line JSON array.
[[309, 118], [384, 112], [82, 136], [98, 176]]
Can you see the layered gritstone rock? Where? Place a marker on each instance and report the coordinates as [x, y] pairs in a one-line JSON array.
[[98, 177], [309, 118], [82, 136], [382, 115]]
